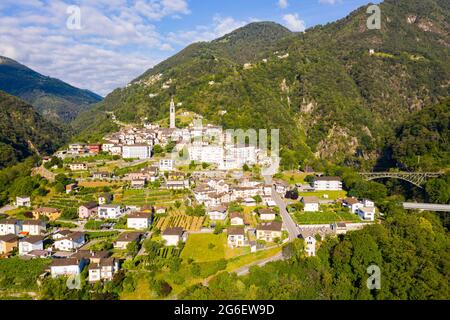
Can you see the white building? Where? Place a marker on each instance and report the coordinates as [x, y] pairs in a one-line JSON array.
[[206, 153], [110, 211], [66, 267], [10, 226], [104, 270], [71, 242], [267, 214], [78, 166], [172, 236], [310, 245], [139, 220], [327, 184], [311, 204], [166, 165], [217, 213], [137, 152], [367, 214], [236, 237], [236, 219], [23, 201], [33, 227], [30, 244]]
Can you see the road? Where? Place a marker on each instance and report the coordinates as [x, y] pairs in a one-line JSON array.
[[288, 222]]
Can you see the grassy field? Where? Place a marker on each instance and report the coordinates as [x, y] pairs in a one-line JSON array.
[[189, 223], [209, 247], [332, 195], [325, 217], [294, 177]]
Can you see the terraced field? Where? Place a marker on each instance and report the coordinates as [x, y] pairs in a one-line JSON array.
[[148, 197], [184, 221]]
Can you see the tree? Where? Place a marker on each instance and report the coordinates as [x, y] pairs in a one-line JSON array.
[[133, 248]]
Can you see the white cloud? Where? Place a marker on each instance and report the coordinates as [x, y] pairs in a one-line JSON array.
[[283, 4], [118, 40], [294, 23], [219, 27]]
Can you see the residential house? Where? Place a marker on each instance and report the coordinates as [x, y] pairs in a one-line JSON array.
[[10, 226], [51, 213], [281, 186], [310, 243], [78, 166], [30, 243], [340, 228], [160, 210], [267, 214], [88, 210], [137, 184], [269, 231], [353, 204], [236, 219], [249, 202], [236, 237], [95, 148], [110, 211], [67, 267], [217, 213], [139, 220], [311, 203], [8, 243], [137, 151], [23, 201], [71, 188], [367, 214], [166, 165], [34, 227], [105, 198], [327, 184], [126, 238], [103, 270], [172, 236], [101, 175], [61, 234], [71, 242], [91, 256]]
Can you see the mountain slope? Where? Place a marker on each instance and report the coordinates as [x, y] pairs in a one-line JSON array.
[[329, 96], [51, 97], [24, 132]]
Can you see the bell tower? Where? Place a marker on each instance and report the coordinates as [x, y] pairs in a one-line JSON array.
[[172, 114]]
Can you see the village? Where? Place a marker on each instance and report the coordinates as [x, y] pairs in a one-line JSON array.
[[186, 189]]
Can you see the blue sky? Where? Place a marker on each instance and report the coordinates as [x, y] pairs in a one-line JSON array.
[[117, 40]]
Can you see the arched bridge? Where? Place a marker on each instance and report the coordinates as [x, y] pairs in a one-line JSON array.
[[416, 178]]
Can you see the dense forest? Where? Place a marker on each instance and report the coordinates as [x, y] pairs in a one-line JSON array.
[[411, 250], [24, 132], [328, 94]]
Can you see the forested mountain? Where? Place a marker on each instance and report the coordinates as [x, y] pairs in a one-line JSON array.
[[53, 98], [339, 91], [24, 132]]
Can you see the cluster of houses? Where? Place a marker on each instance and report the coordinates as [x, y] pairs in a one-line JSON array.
[[213, 192], [365, 209], [80, 150], [204, 144]]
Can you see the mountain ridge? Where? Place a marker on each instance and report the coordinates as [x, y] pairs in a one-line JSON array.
[[338, 92], [52, 97]]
